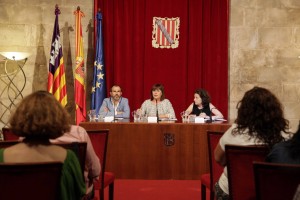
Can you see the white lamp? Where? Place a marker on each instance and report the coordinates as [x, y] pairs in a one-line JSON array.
[[14, 90], [15, 55]]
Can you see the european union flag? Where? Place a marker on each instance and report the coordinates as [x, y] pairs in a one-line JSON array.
[[99, 83]]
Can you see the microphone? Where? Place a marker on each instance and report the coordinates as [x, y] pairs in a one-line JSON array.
[[210, 116], [114, 114], [114, 110], [156, 110]]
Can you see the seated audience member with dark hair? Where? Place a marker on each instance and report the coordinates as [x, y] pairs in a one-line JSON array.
[[38, 118], [92, 162], [202, 106], [287, 152], [259, 121]]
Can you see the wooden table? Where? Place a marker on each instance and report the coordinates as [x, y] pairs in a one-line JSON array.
[[157, 150]]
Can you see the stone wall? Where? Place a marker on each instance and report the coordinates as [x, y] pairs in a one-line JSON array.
[[264, 51], [27, 26], [264, 46]]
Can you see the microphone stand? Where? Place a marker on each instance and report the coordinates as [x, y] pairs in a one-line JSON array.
[[113, 104], [210, 116], [156, 110]]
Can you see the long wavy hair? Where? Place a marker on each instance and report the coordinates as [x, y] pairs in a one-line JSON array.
[[261, 113], [39, 116]]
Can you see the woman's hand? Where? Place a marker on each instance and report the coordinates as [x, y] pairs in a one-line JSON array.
[[139, 111], [202, 115]]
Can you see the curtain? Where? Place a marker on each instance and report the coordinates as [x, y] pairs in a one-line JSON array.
[[199, 61]]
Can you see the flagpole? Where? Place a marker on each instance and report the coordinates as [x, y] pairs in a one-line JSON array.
[[99, 81], [56, 74], [79, 72]]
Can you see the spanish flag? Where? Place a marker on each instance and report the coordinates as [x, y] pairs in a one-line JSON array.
[[79, 72], [56, 74]]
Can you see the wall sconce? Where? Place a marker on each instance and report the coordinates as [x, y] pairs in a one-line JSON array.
[[13, 84]]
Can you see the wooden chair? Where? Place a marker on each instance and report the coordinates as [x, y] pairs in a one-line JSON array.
[[208, 180], [239, 161], [5, 144], [8, 134], [297, 193], [275, 181], [99, 139], [33, 181], [79, 148]]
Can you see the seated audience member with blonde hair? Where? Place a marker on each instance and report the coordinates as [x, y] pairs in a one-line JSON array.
[[38, 118]]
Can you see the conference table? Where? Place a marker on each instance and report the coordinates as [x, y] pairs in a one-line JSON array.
[[164, 150]]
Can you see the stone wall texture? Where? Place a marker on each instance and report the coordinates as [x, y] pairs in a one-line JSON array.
[[264, 51], [264, 45], [27, 26]]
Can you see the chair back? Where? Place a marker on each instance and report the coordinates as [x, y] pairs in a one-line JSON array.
[[215, 168], [33, 181], [239, 161], [79, 148], [99, 139], [275, 181], [8, 134], [5, 144]]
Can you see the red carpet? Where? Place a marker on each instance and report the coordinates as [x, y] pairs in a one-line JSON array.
[[156, 190]]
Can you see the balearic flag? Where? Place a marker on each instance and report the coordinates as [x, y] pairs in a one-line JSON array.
[[99, 83], [56, 74], [79, 72]]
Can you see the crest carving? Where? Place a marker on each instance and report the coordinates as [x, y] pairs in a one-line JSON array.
[[165, 32]]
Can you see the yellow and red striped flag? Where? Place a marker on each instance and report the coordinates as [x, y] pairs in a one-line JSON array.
[[56, 74], [79, 72]]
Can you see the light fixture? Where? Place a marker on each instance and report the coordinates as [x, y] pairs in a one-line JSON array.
[[15, 55], [14, 85]]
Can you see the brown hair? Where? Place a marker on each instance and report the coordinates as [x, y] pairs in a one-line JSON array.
[[40, 116], [204, 96], [160, 87], [261, 113], [115, 86]]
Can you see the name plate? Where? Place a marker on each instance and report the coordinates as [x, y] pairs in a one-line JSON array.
[[109, 119], [152, 119], [199, 120]]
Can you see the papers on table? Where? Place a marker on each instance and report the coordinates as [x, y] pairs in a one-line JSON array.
[[167, 119]]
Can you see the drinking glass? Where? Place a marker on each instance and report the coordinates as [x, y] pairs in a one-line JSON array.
[[136, 115], [92, 115], [191, 118], [184, 116]]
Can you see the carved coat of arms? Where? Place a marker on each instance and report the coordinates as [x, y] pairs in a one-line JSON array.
[[165, 32]]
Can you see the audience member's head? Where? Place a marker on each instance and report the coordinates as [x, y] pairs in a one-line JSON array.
[[40, 116], [261, 113]]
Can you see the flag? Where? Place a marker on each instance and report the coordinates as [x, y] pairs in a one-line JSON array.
[[56, 74], [99, 85], [79, 72]]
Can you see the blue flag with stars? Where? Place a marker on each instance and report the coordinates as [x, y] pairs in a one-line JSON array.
[[99, 83]]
